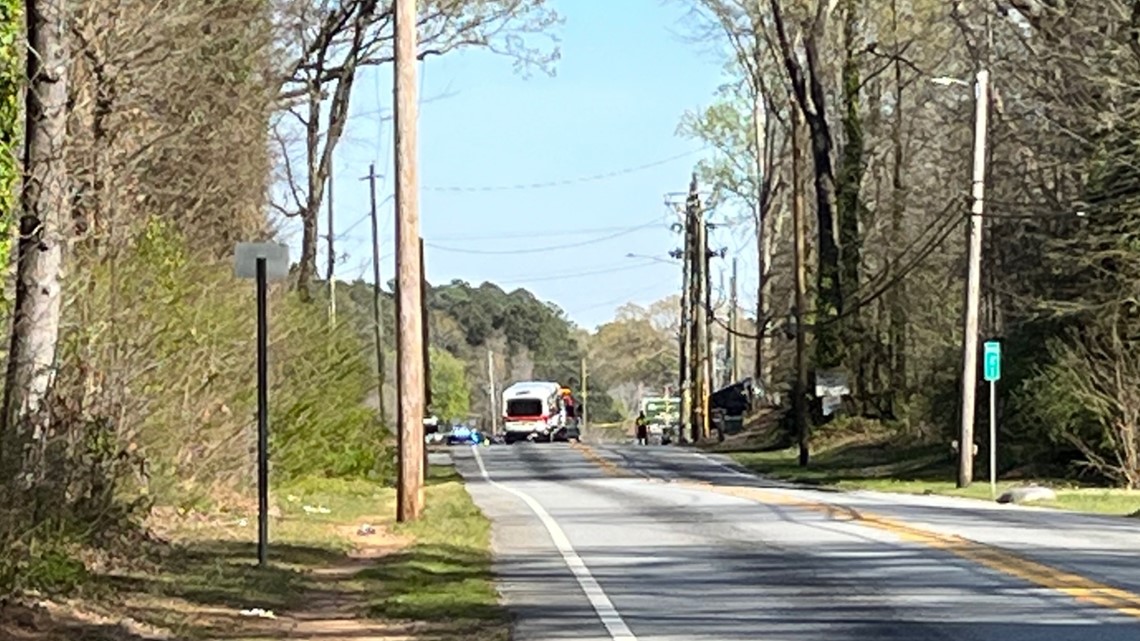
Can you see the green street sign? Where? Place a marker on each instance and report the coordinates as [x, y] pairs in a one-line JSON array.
[[992, 360]]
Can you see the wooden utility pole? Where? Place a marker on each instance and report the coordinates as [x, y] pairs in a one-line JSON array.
[[46, 210], [705, 321], [426, 330], [762, 366], [686, 359], [700, 349], [410, 369], [492, 408], [377, 293], [585, 395], [694, 316], [332, 254], [799, 393], [733, 338], [426, 351], [973, 286]]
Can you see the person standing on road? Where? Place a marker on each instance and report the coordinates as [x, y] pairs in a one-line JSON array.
[[642, 430]]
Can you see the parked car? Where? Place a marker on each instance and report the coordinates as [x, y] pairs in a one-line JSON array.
[[464, 435]]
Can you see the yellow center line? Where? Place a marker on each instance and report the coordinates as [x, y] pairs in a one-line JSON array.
[[995, 558], [1074, 585], [609, 467]]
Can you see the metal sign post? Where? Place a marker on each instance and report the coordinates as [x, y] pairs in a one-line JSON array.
[[262, 262], [992, 365]]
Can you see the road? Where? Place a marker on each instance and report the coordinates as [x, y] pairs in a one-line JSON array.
[[625, 543]]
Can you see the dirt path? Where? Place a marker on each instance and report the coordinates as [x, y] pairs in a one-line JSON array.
[[334, 608]]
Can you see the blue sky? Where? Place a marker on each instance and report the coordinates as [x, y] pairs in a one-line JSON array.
[[625, 77]]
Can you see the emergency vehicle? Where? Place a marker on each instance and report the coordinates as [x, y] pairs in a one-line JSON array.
[[534, 410]]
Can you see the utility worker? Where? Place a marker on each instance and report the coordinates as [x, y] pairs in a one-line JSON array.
[[642, 430]]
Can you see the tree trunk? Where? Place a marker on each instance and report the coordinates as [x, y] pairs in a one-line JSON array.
[[850, 204], [761, 131], [319, 157], [46, 207], [307, 264], [811, 96]]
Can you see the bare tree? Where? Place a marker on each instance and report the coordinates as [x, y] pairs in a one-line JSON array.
[[324, 43], [1099, 372]]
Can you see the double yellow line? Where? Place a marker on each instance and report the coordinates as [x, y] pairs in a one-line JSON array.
[[1076, 586], [1004, 561], [608, 467]]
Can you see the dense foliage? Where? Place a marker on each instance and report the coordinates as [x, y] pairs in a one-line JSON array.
[[11, 80], [520, 336], [886, 146], [172, 132]]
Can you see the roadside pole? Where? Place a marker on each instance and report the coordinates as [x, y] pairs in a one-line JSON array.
[[377, 296], [734, 337], [686, 330], [332, 253], [582, 420], [410, 367], [992, 372], [492, 409], [799, 391], [973, 285], [262, 262], [427, 357], [699, 353]]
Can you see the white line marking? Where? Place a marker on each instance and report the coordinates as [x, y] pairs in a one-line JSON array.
[[725, 466], [601, 603]]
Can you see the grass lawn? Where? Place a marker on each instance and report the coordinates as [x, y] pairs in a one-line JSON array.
[[887, 466], [431, 579]]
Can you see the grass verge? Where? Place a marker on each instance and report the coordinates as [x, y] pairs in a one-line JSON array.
[[889, 464], [339, 568], [445, 575]]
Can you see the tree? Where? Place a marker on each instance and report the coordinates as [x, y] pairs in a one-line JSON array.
[[326, 42], [631, 357], [11, 109], [450, 391], [810, 91], [747, 127], [46, 205]]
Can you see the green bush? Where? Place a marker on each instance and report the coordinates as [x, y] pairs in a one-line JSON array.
[[170, 341]]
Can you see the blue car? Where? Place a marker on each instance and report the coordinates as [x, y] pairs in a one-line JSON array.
[[463, 435]]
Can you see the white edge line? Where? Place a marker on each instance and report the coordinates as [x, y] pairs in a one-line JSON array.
[[597, 597], [709, 459]]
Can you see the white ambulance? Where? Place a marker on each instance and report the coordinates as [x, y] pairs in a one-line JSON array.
[[535, 410]]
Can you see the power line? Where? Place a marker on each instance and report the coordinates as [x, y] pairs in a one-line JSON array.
[[548, 248], [570, 181], [623, 267], [576, 231], [940, 235], [624, 298]]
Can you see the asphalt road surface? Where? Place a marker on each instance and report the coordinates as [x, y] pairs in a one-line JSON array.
[[626, 543]]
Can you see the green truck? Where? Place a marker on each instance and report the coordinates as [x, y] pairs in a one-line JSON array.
[[663, 415]]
